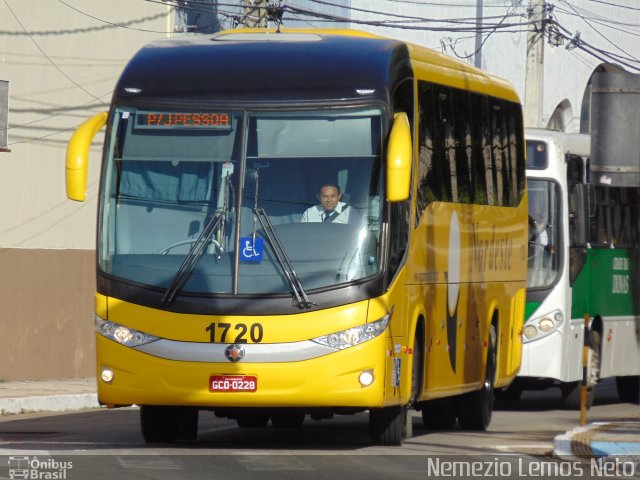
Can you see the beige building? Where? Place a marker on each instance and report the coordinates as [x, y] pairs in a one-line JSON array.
[[61, 61]]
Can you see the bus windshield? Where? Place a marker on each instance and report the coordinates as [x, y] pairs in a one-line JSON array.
[[231, 202], [544, 232]]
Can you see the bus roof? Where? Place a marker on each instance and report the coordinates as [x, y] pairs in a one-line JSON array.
[[245, 66], [304, 65]]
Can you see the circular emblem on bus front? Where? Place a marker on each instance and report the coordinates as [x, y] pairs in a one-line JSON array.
[[234, 353]]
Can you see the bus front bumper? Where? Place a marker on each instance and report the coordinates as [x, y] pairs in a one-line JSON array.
[[330, 380]]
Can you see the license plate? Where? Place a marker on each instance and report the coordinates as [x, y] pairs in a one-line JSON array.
[[233, 383]]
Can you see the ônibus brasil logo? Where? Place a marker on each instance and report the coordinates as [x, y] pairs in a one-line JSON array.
[[23, 467]]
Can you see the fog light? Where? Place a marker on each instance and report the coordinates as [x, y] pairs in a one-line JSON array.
[[107, 375], [366, 378], [530, 332]]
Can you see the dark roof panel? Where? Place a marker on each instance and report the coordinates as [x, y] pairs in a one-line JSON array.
[[254, 67]]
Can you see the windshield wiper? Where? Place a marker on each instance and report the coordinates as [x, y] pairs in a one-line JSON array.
[[191, 259], [281, 255]]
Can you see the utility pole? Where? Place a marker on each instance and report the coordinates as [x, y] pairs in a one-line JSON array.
[[254, 13], [477, 59], [181, 24], [534, 76]]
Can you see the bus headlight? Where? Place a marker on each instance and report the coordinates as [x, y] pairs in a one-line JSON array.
[[545, 325], [121, 334], [530, 332], [355, 335], [542, 326]]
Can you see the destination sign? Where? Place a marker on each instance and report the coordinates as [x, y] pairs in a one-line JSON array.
[[184, 120]]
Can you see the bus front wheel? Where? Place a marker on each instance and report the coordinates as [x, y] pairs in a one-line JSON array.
[[387, 425]]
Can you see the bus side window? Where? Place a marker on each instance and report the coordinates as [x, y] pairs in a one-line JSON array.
[[486, 121], [461, 147], [398, 235], [434, 176]]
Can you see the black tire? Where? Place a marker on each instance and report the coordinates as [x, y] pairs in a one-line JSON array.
[[572, 391], [417, 367], [252, 420], [159, 424], [475, 409], [629, 389], [572, 395], [439, 414], [287, 419], [387, 425]]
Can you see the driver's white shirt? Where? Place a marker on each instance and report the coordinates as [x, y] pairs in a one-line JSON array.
[[317, 214]]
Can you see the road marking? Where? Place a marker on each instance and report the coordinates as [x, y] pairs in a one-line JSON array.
[[525, 449], [148, 463], [275, 463]]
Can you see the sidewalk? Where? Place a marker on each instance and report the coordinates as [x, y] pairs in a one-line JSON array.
[[47, 396]]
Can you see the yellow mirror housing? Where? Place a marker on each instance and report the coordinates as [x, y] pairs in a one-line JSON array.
[[399, 156], [77, 163]]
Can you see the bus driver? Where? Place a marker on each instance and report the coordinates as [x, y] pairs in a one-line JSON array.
[[331, 209]]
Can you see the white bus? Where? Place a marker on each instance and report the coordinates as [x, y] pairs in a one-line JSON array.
[[583, 259]]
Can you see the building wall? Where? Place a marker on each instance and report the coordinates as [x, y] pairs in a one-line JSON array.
[[61, 65]]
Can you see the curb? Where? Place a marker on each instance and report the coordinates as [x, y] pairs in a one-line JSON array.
[[563, 445], [583, 442], [51, 403]]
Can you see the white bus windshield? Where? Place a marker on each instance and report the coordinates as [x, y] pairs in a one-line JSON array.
[[545, 225], [184, 193]]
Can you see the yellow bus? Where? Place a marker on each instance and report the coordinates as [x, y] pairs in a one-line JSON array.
[[306, 223]]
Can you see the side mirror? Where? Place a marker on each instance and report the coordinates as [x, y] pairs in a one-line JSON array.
[[77, 163], [399, 156]]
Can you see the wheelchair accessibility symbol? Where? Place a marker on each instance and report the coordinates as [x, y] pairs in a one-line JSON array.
[[250, 251]]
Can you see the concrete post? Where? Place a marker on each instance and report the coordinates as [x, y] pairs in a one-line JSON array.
[[534, 80]]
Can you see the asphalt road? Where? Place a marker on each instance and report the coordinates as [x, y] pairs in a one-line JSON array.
[[107, 444]]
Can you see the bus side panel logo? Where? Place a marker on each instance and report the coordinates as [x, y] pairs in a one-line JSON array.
[[453, 288]]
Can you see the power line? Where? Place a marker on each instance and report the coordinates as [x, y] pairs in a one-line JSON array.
[[321, 16], [484, 40], [599, 33], [61, 112], [58, 132], [120, 25], [575, 41], [464, 20], [615, 5], [594, 17], [469, 28]]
